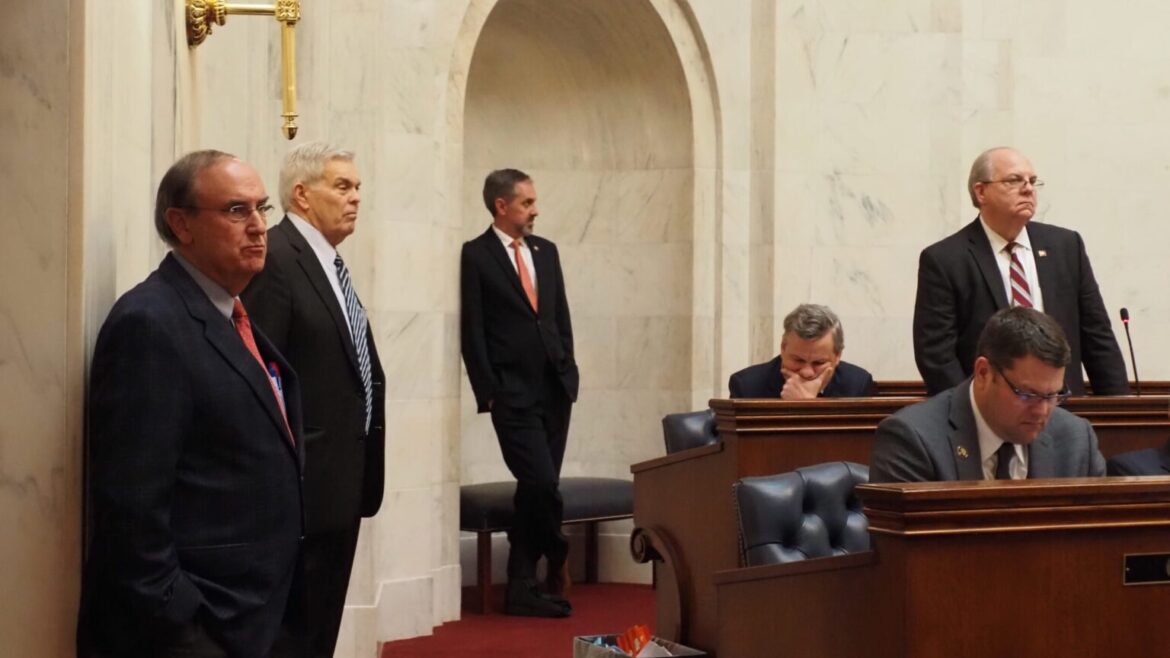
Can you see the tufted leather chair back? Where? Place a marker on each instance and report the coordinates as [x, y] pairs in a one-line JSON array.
[[690, 429], [810, 512]]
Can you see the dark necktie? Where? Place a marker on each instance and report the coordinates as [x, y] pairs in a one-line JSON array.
[[244, 328], [358, 325], [1003, 469], [1021, 293]]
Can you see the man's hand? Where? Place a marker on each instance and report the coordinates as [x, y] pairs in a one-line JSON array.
[[797, 387]]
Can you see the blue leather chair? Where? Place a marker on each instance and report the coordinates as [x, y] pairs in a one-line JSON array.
[[808, 513], [689, 429]]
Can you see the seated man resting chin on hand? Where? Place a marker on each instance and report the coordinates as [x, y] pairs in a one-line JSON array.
[[809, 364]]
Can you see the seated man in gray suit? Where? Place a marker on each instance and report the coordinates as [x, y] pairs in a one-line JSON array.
[[809, 364], [1002, 423]]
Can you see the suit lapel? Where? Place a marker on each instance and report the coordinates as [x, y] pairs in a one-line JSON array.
[[499, 253], [980, 250], [222, 336], [964, 437], [1045, 274], [775, 378], [1041, 457], [309, 263], [833, 385], [542, 262]]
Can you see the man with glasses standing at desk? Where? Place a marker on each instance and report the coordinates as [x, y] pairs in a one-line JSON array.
[[1005, 422], [1003, 259]]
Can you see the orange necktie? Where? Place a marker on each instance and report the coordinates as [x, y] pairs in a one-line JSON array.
[[244, 329], [525, 278]]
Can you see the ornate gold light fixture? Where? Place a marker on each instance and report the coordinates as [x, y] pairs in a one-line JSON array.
[[201, 14]]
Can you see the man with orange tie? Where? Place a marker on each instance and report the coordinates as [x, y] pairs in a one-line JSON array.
[[517, 342], [1004, 259], [194, 447]]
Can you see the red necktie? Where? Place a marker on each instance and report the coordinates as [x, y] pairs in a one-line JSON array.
[[1021, 293], [244, 329], [525, 278]]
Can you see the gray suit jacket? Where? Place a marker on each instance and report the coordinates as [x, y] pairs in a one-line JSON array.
[[937, 440]]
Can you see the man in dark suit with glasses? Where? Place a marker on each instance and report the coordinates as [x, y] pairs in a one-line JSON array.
[[1005, 422], [1004, 259], [195, 450]]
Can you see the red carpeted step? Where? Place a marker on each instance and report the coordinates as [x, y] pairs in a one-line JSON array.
[[597, 609]]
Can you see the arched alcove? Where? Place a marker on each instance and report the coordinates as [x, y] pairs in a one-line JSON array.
[[591, 100]]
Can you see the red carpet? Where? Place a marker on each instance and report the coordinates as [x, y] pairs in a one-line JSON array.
[[597, 610]]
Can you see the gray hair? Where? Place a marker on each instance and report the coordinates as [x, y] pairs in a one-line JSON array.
[[304, 165], [981, 171], [501, 184], [177, 188], [812, 321], [1016, 332]]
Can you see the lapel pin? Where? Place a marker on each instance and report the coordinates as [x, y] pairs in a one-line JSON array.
[[1041, 253], [535, 248], [962, 452]]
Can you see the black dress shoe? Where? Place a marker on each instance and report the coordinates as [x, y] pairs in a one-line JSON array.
[[523, 600], [558, 583]]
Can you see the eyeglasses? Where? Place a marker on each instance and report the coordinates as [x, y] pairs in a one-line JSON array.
[[1017, 182], [1056, 399], [239, 213]]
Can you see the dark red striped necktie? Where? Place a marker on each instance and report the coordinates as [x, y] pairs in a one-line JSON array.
[[1021, 293]]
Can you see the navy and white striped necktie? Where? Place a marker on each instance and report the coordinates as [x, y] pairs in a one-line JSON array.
[[357, 326]]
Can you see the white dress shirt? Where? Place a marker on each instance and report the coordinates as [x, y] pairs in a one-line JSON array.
[[525, 251], [1027, 258], [989, 443]]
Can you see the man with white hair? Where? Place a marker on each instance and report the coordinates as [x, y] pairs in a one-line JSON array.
[[305, 301], [1005, 259]]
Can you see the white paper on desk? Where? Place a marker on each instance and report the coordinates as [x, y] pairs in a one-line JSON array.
[[653, 650]]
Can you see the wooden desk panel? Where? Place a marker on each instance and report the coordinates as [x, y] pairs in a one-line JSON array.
[[682, 502], [1031, 568]]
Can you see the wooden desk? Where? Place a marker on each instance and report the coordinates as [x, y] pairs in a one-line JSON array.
[[682, 502], [911, 388], [968, 569]]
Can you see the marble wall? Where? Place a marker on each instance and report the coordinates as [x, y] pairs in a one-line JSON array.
[[880, 111], [41, 355], [705, 166]]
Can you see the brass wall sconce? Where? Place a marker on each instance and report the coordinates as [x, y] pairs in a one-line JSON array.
[[201, 14]]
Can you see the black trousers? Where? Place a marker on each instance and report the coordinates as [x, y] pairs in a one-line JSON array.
[[327, 560], [532, 440]]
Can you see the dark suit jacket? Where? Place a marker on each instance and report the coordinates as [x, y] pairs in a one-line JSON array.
[[764, 380], [194, 483], [295, 305], [960, 287], [937, 440], [1151, 461], [506, 344]]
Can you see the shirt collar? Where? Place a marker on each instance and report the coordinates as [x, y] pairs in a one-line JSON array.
[[507, 239], [989, 441], [998, 242], [221, 299], [325, 251]]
